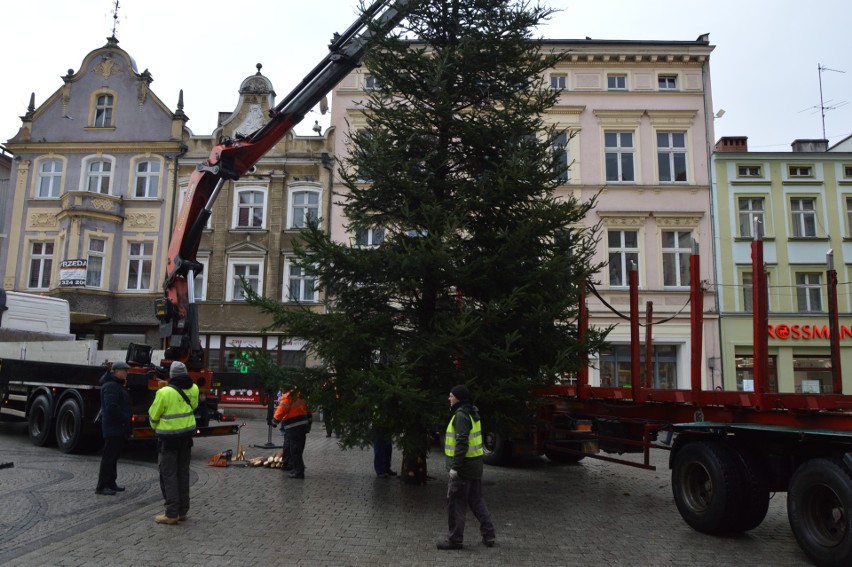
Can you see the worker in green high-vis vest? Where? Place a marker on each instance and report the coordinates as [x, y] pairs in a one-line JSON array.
[[463, 449]]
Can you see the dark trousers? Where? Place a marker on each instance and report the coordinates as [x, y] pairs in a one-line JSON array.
[[296, 440], [382, 451], [109, 462], [286, 459], [462, 493], [173, 460]]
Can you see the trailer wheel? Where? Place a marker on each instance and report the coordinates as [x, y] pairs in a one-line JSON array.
[[819, 507], [40, 422], [707, 486], [561, 458], [755, 501], [69, 426], [497, 451]]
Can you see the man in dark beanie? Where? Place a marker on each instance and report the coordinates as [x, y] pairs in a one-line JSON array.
[[172, 416], [463, 449], [115, 418]]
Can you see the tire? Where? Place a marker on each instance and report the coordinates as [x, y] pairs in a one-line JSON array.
[[755, 503], [40, 422], [558, 457], [707, 486], [497, 449], [69, 426], [819, 507]]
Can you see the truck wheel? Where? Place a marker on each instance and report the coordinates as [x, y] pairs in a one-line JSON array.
[[69, 426], [755, 501], [707, 486], [496, 448], [40, 421], [819, 507]]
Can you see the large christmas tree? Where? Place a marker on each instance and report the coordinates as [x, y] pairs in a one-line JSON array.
[[464, 265]]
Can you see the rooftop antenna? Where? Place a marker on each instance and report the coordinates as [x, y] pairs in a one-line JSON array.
[[822, 106]]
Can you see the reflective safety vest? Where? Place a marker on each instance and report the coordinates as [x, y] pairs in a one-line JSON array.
[[292, 410], [474, 448], [170, 415]]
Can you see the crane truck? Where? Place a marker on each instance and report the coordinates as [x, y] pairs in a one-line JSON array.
[[60, 401]]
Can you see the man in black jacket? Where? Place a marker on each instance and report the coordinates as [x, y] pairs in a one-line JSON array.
[[463, 449], [116, 414]]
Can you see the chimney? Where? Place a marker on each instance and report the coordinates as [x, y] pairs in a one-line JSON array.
[[730, 144], [805, 146]]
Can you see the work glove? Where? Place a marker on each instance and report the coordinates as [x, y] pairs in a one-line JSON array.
[[454, 474], [274, 423]]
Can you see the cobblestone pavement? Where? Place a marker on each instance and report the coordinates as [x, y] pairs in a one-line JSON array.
[[594, 513]]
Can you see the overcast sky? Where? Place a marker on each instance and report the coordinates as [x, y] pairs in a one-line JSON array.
[[764, 69]]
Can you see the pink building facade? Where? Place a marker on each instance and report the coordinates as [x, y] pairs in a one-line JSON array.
[[640, 122]]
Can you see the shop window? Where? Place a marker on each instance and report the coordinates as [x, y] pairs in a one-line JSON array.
[[812, 375], [615, 367], [745, 374]]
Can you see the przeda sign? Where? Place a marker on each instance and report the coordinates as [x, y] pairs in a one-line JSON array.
[[805, 332], [72, 273]]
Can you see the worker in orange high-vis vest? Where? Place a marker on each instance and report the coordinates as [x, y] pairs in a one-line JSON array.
[[295, 415]]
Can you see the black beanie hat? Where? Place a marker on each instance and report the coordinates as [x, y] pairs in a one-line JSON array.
[[461, 393]]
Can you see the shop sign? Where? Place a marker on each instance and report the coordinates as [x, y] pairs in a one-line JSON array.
[[72, 273], [805, 332]]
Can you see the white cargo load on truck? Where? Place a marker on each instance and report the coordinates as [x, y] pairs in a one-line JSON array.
[[35, 317], [37, 327]]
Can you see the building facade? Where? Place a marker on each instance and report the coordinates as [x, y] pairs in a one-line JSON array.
[[99, 171], [799, 204], [637, 117]]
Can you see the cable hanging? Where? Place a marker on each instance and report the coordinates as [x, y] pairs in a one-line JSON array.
[[627, 317]]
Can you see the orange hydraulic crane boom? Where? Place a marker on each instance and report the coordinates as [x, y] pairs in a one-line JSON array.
[[231, 158]]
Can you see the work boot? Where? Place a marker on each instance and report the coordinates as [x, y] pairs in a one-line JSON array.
[[117, 488], [488, 542], [105, 491], [183, 517], [163, 519], [294, 474], [449, 545]]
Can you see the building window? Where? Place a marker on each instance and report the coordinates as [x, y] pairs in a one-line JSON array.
[[667, 82], [139, 259], [616, 368], [371, 83], [677, 248], [809, 292], [558, 82], [299, 285], [745, 374], [748, 292], [369, 237], [847, 171], [250, 271], [849, 216], [812, 375], [147, 179], [200, 282], [623, 255], [98, 175], [41, 265], [182, 200], [804, 217], [748, 171], [49, 178], [103, 111], [751, 210], [671, 156], [95, 263], [250, 210], [616, 82], [304, 205], [800, 171], [619, 156], [560, 155]]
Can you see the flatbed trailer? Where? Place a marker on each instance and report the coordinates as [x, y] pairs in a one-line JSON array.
[[728, 450], [60, 403]]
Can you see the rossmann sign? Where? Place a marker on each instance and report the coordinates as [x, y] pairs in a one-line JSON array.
[[805, 332]]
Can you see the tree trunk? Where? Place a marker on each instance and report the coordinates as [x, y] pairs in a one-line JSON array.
[[413, 468]]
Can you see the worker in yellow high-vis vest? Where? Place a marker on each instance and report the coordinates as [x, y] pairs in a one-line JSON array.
[[463, 449]]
